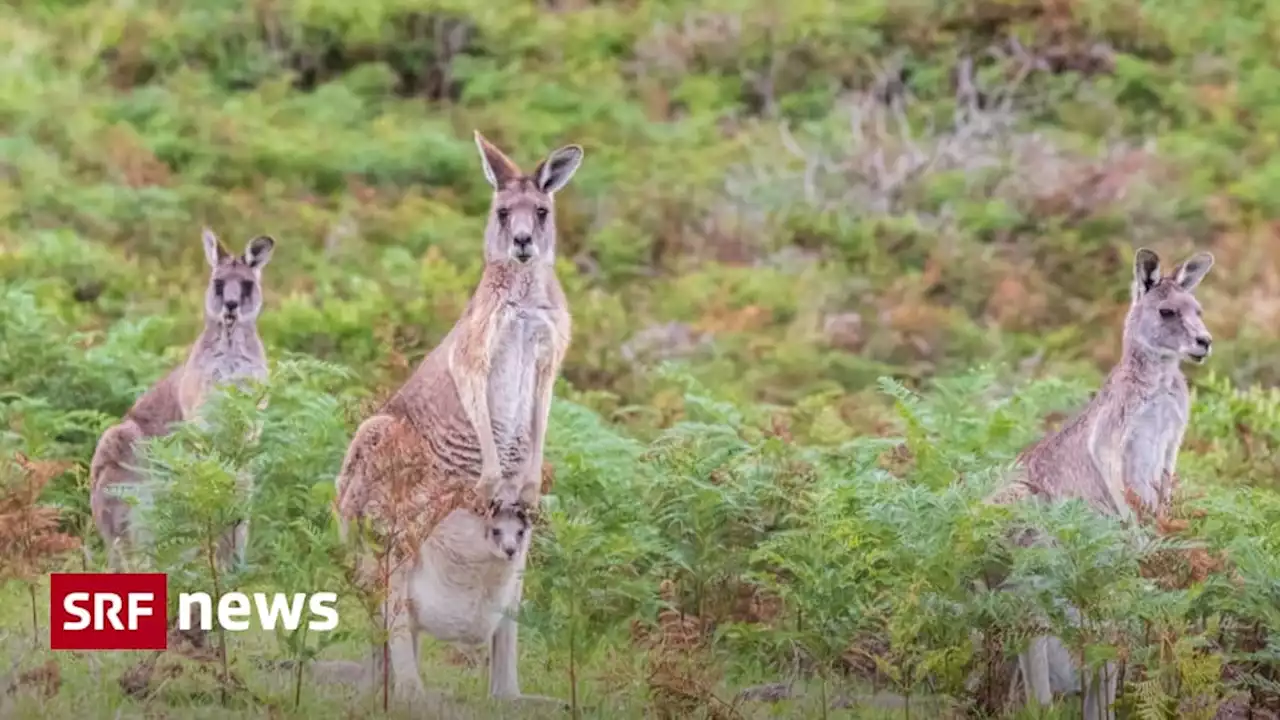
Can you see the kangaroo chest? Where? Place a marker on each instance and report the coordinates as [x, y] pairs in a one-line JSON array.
[[524, 342], [230, 365], [1156, 430], [459, 588], [236, 363]]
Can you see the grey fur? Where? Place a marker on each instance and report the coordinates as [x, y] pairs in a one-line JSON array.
[[227, 351], [475, 411], [1126, 440]]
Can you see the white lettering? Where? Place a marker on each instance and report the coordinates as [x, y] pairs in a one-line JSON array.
[[135, 609], [185, 601], [69, 604], [292, 612], [271, 609], [112, 613], [318, 608], [225, 611]]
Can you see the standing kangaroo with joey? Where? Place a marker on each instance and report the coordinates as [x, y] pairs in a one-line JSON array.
[[227, 351], [473, 415], [1125, 441]]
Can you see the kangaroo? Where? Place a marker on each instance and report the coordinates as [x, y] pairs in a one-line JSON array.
[[228, 350], [1125, 441], [471, 422]]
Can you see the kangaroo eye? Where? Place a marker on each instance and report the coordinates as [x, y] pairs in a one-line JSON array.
[[503, 214], [520, 533], [246, 287], [496, 532], [542, 213], [1168, 314], [217, 286]]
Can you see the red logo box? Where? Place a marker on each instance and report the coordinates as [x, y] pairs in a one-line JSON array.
[[108, 611]]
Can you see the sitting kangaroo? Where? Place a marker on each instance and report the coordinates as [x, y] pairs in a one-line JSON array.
[[1126, 439], [471, 419], [228, 350]]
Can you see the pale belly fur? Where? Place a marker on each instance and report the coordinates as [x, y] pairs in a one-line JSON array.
[[228, 370], [513, 377], [460, 589], [235, 371], [1157, 426]]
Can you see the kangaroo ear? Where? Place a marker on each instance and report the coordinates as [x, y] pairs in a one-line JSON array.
[[1192, 270], [555, 172], [1146, 271], [214, 251], [258, 252], [498, 168]]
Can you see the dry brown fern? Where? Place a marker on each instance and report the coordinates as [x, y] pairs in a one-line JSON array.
[[31, 537], [1178, 568], [756, 604], [400, 500], [548, 477], [30, 533], [46, 680], [1010, 494], [681, 678]]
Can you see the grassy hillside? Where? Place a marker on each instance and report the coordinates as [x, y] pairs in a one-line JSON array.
[[831, 265]]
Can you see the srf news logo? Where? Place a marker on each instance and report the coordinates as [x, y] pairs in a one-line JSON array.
[[129, 611]]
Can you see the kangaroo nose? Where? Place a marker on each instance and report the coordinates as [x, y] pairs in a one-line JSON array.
[[523, 240], [511, 552], [232, 305], [1204, 341]]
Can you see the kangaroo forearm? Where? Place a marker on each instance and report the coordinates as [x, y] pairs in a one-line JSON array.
[[470, 372], [188, 398], [1111, 478], [1108, 460], [541, 415], [1145, 474], [1171, 456], [525, 485], [473, 393]]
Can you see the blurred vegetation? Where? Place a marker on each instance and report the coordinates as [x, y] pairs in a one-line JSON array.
[[782, 205]]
